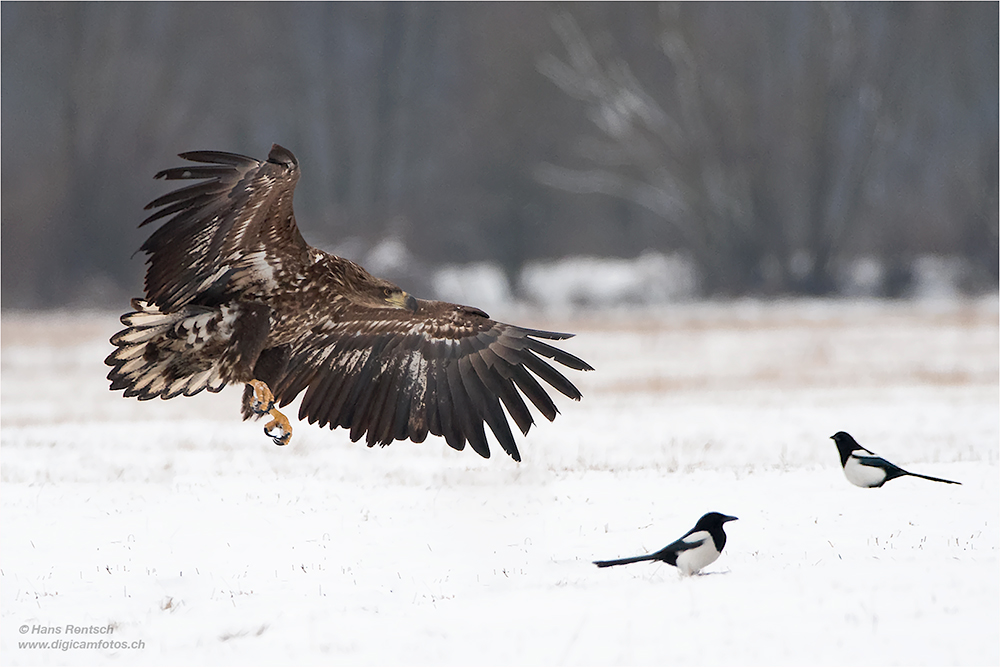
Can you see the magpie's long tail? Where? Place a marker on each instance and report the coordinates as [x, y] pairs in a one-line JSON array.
[[623, 561], [933, 479]]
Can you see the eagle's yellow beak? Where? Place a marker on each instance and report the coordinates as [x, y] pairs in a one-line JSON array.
[[402, 300]]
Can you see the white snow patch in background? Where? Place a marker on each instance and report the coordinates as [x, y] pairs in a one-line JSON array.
[[862, 277], [186, 529], [482, 283], [650, 279], [930, 277], [937, 277], [389, 254]]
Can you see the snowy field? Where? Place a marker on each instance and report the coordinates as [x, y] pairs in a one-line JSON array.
[[188, 532]]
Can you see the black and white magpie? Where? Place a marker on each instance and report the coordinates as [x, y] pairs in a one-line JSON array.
[[699, 547], [867, 470]]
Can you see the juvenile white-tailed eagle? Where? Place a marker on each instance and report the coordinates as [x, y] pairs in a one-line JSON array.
[[235, 295]]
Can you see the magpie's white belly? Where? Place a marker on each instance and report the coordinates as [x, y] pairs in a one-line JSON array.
[[862, 475], [692, 560]]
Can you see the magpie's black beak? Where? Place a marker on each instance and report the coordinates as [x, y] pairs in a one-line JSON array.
[[726, 519]]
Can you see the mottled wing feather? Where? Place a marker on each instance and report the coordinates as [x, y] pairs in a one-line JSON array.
[[225, 235], [448, 372]]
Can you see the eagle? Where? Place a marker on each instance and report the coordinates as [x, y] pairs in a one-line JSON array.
[[234, 295]]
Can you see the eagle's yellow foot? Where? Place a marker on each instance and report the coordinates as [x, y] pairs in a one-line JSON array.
[[262, 403], [263, 399], [278, 429]]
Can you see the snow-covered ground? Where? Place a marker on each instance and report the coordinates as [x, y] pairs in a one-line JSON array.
[[187, 531]]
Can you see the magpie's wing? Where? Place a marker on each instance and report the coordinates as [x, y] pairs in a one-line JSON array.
[[866, 458], [692, 540]]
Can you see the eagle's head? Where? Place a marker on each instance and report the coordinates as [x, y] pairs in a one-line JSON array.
[[367, 290], [397, 298]]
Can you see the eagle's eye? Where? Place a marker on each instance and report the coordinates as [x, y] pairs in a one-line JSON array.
[[386, 292]]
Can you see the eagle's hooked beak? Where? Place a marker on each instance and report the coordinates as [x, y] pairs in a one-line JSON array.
[[403, 300], [410, 303]]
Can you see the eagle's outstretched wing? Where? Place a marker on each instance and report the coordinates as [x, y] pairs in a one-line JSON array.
[[444, 370], [227, 233]]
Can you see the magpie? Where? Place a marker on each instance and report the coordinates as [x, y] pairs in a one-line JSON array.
[[867, 470], [699, 547]]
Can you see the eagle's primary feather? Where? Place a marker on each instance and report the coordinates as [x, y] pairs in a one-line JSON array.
[[234, 294]]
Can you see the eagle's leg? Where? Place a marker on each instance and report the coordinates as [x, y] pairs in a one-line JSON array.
[[262, 400], [279, 428]]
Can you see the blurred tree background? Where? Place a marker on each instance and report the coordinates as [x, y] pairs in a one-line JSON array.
[[774, 145]]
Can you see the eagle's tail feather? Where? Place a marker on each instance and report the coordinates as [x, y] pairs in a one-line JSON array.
[[150, 358]]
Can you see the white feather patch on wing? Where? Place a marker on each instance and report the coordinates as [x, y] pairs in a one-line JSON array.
[[258, 269]]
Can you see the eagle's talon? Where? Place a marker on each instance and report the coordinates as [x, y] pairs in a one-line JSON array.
[[278, 429], [282, 440]]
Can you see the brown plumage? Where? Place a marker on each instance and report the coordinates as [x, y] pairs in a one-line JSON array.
[[234, 294]]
